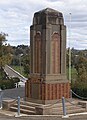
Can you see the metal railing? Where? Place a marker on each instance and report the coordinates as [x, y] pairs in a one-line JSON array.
[[78, 96]]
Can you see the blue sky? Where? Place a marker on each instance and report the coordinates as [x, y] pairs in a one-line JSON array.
[[16, 17]]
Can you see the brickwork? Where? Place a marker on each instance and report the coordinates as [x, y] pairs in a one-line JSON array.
[[56, 91], [49, 91]]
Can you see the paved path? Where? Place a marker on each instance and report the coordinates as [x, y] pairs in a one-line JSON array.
[[7, 115], [82, 117]]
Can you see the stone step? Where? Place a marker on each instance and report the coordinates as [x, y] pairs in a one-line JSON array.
[[25, 107], [71, 107], [75, 110], [24, 111], [48, 105], [68, 106], [59, 105], [29, 107], [29, 103], [69, 110]]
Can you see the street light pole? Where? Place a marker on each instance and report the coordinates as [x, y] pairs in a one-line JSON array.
[[70, 50], [20, 62]]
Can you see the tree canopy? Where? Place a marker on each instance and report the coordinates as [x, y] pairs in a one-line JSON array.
[[5, 51]]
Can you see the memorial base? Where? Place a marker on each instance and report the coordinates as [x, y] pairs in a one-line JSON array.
[[46, 92]]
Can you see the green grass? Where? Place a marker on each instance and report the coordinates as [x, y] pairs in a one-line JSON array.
[[73, 74], [19, 69]]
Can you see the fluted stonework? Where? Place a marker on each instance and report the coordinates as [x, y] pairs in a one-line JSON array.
[[48, 57]]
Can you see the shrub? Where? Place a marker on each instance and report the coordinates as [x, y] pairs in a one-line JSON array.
[[8, 84], [80, 88]]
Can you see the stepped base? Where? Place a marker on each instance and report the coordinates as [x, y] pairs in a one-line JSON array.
[[57, 109], [31, 108]]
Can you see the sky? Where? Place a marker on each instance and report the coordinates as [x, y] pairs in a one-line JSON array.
[[16, 17]]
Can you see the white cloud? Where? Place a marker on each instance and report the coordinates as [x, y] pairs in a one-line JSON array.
[[16, 18]]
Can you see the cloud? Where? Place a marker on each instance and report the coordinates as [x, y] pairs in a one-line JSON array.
[[16, 18]]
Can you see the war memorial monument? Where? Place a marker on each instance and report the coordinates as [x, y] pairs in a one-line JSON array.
[[48, 82]]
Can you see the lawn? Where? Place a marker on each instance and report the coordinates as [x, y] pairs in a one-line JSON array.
[[73, 74], [19, 69]]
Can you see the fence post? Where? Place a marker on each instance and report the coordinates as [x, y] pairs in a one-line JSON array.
[[86, 106], [1, 101], [71, 94], [64, 108], [18, 106]]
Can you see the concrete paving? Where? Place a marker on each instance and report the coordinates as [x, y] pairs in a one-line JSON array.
[[8, 115], [82, 117]]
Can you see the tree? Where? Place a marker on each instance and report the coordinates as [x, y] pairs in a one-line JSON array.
[[5, 52], [26, 64], [81, 68], [80, 85], [2, 38]]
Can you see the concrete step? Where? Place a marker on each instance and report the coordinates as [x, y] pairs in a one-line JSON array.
[[69, 109], [73, 107], [24, 111], [25, 107], [29, 107], [75, 110], [59, 105], [29, 103], [68, 112]]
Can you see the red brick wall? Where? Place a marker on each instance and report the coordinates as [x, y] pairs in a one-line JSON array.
[[49, 91], [55, 91]]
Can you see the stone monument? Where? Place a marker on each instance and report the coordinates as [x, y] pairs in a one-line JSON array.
[[48, 81]]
